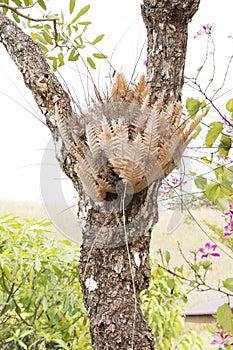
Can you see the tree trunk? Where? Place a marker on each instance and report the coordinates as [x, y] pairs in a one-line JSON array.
[[114, 264], [166, 22]]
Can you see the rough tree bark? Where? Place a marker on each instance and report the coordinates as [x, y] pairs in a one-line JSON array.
[[112, 273]]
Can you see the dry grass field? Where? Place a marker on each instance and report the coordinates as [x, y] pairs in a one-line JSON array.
[[187, 232]]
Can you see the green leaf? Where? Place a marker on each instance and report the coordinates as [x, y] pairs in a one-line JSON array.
[[91, 63], [192, 106], [44, 303], [222, 203], [37, 264], [213, 133], [85, 23], [18, 2], [229, 105], [97, 39], [171, 283], [16, 17], [47, 37], [225, 145], [22, 344], [7, 272], [100, 55], [212, 191], [61, 59], [226, 187], [73, 56], [228, 283], [167, 256], [72, 5], [206, 160], [81, 13], [200, 182], [229, 173], [206, 264], [5, 10], [41, 39], [224, 317], [42, 4]]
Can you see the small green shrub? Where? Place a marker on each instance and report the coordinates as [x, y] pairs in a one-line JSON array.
[[40, 299], [162, 304]]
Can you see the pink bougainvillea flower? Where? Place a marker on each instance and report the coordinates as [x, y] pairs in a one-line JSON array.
[[145, 63], [205, 29], [222, 338], [208, 250]]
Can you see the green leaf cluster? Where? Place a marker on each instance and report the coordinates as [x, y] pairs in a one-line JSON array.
[[40, 299], [224, 314], [218, 190], [162, 304], [61, 37]]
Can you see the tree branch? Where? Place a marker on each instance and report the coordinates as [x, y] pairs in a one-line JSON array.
[[20, 14]]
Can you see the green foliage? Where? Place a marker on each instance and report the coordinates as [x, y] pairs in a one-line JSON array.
[[229, 106], [192, 106], [60, 36], [224, 317], [40, 299], [228, 283], [200, 182], [162, 304]]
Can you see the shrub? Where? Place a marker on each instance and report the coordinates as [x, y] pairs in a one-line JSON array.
[[162, 304], [40, 299]]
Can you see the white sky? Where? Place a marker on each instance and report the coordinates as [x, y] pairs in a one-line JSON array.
[[23, 139]]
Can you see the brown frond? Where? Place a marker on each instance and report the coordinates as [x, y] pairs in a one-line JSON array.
[[120, 89], [85, 172], [177, 114], [151, 133], [141, 91], [97, 94], [106, 186], [159, 102], [188, 133], [128, 140], [93, 141]]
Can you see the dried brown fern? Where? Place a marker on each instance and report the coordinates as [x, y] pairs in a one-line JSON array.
[[127, 139]]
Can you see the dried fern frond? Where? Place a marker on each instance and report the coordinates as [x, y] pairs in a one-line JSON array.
[[141, 92], [188, 133], [120, 89], [128, 140]]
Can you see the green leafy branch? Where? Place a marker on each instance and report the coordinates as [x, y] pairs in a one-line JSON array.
[[59, 39]]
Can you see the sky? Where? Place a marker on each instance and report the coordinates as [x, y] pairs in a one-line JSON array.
[[29, 171]]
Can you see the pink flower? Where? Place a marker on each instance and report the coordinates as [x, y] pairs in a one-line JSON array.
[[205, 29], [175, 180], [222, 338], [228, 229], [208, 250], [145, 63]]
